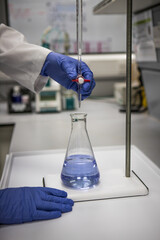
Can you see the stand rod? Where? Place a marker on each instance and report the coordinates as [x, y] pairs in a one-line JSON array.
[[128, 88]]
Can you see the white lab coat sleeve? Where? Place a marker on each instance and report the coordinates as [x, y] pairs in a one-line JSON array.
[[20, 60]]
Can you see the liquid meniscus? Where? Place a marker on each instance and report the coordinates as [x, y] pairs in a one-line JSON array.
[[80, 172]]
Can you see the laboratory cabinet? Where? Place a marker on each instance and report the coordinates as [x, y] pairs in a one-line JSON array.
[[119, 6], [146, 41], [6, 131], [151, 80], [146, 38]]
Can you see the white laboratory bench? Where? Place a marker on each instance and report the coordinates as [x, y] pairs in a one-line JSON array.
[[136, 218]]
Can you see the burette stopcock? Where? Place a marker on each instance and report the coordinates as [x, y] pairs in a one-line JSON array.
[[80, 80]]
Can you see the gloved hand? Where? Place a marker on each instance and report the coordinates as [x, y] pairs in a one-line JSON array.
[[26, 204], [63, 69]]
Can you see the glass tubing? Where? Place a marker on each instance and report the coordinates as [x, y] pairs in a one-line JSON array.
[[79, 41]]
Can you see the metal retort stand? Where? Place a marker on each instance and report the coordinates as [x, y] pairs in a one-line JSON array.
[[113, 183], [128, 87]]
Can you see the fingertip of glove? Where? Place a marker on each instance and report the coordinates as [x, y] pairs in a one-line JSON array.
[[67, 208], [54, 214], [63, 194], [59, 214], [55, 192], [84, 97], [86, 86], [71, 202]]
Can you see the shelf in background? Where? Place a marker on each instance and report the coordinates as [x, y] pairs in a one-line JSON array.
[[119, 6]]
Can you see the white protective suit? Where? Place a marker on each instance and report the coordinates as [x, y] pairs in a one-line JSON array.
[[20, 60]]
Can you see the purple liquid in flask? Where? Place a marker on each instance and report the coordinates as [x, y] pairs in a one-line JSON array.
[[80, 170]]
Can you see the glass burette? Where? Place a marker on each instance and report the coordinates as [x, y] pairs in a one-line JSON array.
[[79, 46], [80, 79]]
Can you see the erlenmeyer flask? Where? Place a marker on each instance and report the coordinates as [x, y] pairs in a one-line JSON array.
[[80, 169]]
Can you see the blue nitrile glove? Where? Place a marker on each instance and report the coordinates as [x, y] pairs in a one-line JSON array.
[[26, 204], [63, 69]]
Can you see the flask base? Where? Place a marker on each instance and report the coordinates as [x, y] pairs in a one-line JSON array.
[[80, 172], [80, 182]]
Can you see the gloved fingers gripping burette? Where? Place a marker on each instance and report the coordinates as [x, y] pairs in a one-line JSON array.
[[63, 69], [87, 86], [85, 81]]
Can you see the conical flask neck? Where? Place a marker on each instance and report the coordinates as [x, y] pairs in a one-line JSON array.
[[78, 121], [79, 125], [78, 117]]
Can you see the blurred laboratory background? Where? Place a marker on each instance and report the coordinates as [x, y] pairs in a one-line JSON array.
[[27, 118]]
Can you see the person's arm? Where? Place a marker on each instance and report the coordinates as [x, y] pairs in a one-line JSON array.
[[31, 65], [20, 60]]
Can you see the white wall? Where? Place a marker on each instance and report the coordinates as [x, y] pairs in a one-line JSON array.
[[33, 17]]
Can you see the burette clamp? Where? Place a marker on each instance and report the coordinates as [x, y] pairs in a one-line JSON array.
[[80, 80]]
